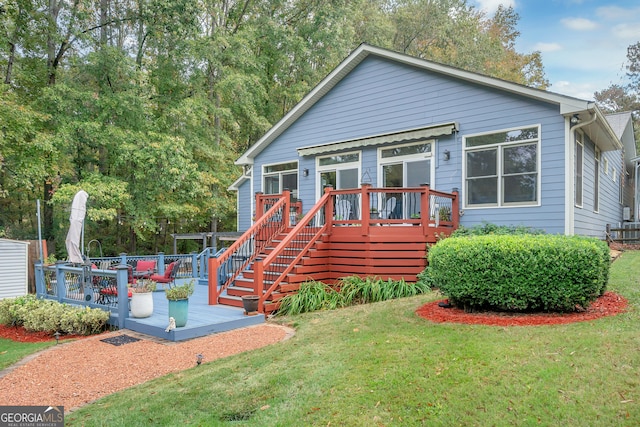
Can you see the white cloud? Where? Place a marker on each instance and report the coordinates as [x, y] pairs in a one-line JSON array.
[[490, 6], [626, 31], [547, 47], [579, 24], [616, 13], [577, 90]]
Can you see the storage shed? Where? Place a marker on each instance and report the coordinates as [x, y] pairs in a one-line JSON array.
[[14, 256]]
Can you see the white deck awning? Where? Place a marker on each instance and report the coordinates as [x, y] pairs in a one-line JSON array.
[[404, 136]]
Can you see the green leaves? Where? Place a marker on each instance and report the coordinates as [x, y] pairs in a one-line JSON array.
[[520, 272], [352, 290]]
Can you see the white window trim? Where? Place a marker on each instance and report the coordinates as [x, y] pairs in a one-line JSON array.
[[597, 158], [265, 174], [336, 167], [407, 158], [579, 140], [499, 204]]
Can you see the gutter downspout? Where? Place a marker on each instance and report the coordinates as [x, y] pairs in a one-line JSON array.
[[571, 200], [636, 191]]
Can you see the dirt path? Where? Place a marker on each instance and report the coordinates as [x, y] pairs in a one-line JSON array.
[[75, 373]]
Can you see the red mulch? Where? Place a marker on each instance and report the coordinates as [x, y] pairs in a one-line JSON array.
[[20, 334], [609, 304]]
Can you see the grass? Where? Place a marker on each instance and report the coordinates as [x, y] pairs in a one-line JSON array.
[[380, 364], [11, 351]]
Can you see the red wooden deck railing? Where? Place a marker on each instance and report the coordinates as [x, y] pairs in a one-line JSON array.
[[224, 269], [341, 215]]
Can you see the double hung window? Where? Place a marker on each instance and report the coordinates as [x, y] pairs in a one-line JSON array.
[[279, 177], [340, 171], [502, 168]]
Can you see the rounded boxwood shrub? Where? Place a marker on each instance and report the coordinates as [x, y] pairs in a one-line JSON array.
[[520, 272]]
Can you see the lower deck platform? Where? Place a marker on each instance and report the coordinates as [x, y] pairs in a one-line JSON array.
[[203, 319]]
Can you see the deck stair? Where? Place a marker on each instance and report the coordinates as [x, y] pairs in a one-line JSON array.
[[245, 285]]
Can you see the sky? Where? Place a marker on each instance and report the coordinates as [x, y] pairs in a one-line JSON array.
[[583, 42]]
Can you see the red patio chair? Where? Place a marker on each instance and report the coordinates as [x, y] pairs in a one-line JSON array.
[[169, 275], [144, 269]]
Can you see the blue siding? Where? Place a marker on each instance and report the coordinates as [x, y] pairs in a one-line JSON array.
[[246, 203], [381, 96], [588, 222]]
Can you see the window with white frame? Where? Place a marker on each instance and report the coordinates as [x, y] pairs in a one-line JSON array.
[[502, 168], [579, 168], [279, 177], [407, 165], [596, 180], [340, 171]]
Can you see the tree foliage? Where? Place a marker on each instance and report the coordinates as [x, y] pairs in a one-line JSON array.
[[146, 104], [624, 96]]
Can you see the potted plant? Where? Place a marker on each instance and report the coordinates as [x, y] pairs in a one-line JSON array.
[[445, 213], [142, 298], [178, 297], [374, 214]]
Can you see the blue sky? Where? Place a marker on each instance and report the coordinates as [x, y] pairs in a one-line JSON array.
[[583, 42]]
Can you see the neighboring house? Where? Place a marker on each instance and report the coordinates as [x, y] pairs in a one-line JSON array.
[[14, 268], [517, 155]]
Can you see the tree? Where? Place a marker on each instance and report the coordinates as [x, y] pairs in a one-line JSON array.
[[624, 97]]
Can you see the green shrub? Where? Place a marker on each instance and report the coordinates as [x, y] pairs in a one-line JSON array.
[[51, 316], [520, 272], [488, 228]]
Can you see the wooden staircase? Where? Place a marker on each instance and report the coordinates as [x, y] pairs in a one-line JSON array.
[[244, 284]]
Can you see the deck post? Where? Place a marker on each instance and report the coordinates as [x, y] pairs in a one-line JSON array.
[[455, 209], [365, 208], [259, 205], [424, 208], [160, 263], [61, 288], [286, 194], [213, 280], [258, 281], [122, 277], [328, 211]]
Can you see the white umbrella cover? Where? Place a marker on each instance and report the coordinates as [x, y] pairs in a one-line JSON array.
[[78, 211]]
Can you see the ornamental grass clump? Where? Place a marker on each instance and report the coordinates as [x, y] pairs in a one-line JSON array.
[[520, 272], [352, 290], [143, 286]]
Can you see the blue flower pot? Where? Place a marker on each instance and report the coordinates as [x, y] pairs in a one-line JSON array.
[[179, 310]]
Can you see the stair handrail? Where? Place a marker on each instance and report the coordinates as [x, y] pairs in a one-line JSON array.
[[322, 214], [228, 266]]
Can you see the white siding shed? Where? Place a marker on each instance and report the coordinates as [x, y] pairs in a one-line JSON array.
[[14, 268]]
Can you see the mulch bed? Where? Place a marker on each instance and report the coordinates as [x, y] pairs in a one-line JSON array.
[[20, 334], [608, 304]]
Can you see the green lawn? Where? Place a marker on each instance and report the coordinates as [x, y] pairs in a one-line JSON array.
[[11, 351], [380, 364]]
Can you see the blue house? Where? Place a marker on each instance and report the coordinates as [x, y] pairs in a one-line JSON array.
[[517, 155], [387, 141]]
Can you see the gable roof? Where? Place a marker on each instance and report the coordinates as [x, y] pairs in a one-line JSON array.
[[568, 105], [622, 125]]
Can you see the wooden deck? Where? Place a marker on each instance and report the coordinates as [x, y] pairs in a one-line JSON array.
[[203, 319], [379, 232]]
